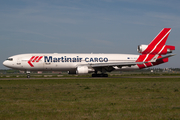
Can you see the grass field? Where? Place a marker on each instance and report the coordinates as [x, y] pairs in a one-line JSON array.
[[86, 99]]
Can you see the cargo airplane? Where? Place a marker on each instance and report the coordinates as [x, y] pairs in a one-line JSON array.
[[98, 64]]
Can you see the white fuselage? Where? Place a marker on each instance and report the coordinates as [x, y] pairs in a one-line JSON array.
[[65, 62]]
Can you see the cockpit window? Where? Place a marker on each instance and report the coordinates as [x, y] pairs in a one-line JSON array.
[[10, 59]]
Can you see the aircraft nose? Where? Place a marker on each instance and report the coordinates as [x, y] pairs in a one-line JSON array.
[[6, 63]]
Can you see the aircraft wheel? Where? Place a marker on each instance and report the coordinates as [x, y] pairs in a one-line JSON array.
[[28, 76], [99, 75], [105, 75], [94, 75]]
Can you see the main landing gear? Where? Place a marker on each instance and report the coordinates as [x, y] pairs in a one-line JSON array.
[[99, 75], [103, 73]]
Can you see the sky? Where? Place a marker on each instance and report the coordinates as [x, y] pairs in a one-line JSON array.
[[86, 26]]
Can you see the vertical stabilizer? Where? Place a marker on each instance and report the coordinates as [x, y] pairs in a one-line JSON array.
[[157, 45]]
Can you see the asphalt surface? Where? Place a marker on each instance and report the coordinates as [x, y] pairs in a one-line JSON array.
[[87, 77]]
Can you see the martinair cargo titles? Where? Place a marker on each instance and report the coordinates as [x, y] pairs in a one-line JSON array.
[[98, 64]]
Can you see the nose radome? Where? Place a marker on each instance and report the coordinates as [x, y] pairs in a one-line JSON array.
[[6, 63]]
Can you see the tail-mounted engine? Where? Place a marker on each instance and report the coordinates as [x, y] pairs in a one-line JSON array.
[[160, 49], [141, 48]]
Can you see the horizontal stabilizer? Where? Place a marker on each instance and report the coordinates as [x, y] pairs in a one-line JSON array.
[[165, 57]]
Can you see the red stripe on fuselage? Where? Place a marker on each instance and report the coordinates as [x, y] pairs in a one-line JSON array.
[[149, 64], [29, 62], [35, 58], [141, 66], [39, 59], [145, 58]]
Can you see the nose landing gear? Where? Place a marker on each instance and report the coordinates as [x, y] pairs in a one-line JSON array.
[[28, 74]]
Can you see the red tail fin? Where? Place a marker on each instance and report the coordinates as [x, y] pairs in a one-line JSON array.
[[161, 38], [155, 49], [157, 45]]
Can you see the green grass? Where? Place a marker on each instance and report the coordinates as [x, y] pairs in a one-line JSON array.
[[86, 99]]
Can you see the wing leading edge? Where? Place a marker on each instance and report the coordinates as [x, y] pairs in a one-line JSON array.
[[121, 64]]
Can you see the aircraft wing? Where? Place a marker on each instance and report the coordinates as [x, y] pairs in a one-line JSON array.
[[115, 64], [121, 64]]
